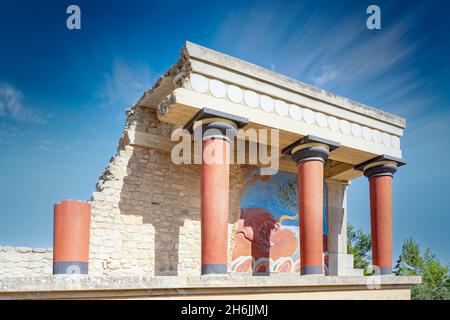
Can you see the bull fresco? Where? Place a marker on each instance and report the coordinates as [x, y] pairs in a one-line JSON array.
[[267, 232]]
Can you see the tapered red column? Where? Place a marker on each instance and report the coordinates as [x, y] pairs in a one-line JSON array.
[[215, 171], [217, 130], [310, 199], [381, 222], [71, 237], [380, 172], [380, 185], [310, 153]]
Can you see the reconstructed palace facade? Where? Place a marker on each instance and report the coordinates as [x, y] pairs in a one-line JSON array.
[[259, 212]]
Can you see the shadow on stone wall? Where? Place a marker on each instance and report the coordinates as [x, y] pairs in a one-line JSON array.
[[167, 196]]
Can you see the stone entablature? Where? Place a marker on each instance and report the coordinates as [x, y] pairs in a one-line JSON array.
[[212, 63], [305, 116], [203, 77]]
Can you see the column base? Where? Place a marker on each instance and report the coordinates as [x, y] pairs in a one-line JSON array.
[[312, 270], [214, 269], [70, 267], [383, 271]]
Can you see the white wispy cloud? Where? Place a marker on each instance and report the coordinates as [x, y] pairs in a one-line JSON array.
[[272, 66], [256, 32], [335, 50], [328, 73], [51, 144], [124, 85], [14, 106]]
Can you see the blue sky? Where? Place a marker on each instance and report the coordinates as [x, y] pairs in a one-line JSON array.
[[63, 93]]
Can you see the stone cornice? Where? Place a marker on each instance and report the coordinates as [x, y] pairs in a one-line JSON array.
[[357, 127], [198, 53]]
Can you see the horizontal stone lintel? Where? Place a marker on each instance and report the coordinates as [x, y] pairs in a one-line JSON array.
[[342, 171]]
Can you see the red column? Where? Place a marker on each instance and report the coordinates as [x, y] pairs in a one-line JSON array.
[[380, 171], [310, 154], [217, 130], [381, 222], [215, 170], [71, 237], [310, 197]]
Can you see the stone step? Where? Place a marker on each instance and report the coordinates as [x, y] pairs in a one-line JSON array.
[[344, 263], [349, 261], [356, 272]]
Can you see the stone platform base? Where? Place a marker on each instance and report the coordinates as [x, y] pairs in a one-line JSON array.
[[208, 287]]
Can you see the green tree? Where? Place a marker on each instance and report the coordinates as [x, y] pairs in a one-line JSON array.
[[410, 262], [359, 244], [435, 276]]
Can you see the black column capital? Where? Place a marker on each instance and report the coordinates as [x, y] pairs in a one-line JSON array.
[[383, 165], [216, 124], [310, 148]]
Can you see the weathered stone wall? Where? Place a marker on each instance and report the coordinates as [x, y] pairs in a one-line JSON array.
[[22, 261], [146, 211]]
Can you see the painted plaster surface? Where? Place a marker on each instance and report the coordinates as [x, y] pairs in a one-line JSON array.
[[267, 233]]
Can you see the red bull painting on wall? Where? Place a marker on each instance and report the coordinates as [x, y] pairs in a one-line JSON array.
[[267, 232]]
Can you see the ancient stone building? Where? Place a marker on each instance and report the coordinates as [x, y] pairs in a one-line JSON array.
[[148, 215]]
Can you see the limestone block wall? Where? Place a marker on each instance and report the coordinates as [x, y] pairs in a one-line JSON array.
[[22, 261], [146, 210]]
